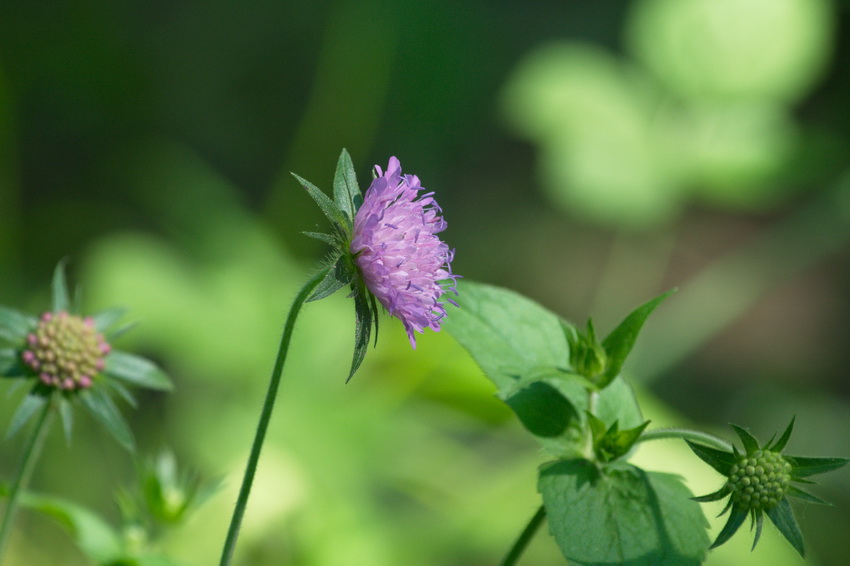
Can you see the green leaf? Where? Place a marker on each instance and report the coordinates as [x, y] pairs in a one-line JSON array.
[[10, 363], [717, 459], [507, 334], [95, 537], [346, 190], [61, 300], [805, 467], [783, 440], [104, 410], [615, 443], [750, 442], [715, 496], [622, 515], [329, 208], [136, 371], [338, 276], [618, 344], [617, 402], [736, 518], [105, 319], [783, 517], [795, 491], [15, 325], [542, 408], [34, 401]]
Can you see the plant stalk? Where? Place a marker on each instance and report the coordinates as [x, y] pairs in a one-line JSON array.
[[32, 450], [686, 433], [525, 537], [265, 417]]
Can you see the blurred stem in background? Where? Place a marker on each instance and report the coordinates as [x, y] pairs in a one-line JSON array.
[[265, 416], [31, 453]]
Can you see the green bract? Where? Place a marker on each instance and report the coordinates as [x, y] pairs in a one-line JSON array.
[[339, 264], [70, 360], [759, 483]]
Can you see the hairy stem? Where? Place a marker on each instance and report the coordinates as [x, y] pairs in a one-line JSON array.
[[265, 417], [525, 537], [685, 433], [31, 453]]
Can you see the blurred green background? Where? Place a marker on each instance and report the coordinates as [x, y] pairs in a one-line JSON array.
[[586, 154]]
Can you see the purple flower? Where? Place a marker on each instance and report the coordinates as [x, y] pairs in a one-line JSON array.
[[402, 260]]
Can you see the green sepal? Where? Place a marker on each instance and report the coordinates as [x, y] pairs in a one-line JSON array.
[[322, 237], [794, 491], [783, 440], [750, 442], [805, 467], [105, 319], [611, 444], [136, 370], [346, 190], [30, 405], [783, 517], [10, 363], [59, 288], [717, 459], [103, 409], [716, 496], [618, 344], [329, 207], [339, 275], [758, 519], [15, 325], [365, 313], [736, 518]]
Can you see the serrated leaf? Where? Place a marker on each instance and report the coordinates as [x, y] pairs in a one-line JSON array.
[[15, 325], [805, 467], [136, 370], [717, 459], [10, 363], [619, 343], [338, 276], [736, 519], [59, 288], [623, 516], [95, 537], [104, 410], [750, 442], [346, 189], [328, 207], [105, 319], [507, 334], [783, 517], [30, 404]]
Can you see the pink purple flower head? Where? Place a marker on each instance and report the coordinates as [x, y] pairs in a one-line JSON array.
[[403, 262]]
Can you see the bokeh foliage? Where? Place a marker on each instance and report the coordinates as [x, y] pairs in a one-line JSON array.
[[152, 144]]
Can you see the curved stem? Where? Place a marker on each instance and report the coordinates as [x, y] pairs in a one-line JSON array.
[[525, 537], [31, 453], [685, 433], [265, 416]]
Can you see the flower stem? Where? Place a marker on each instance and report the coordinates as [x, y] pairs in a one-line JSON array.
[[525, 537], [265, 416], [31, 453], [685, 433]]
